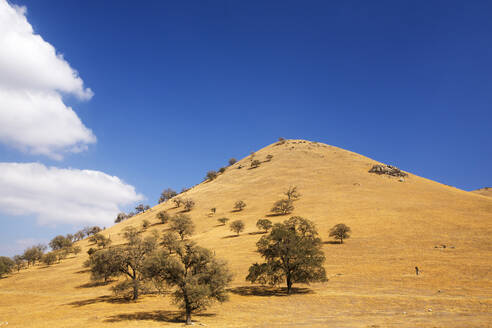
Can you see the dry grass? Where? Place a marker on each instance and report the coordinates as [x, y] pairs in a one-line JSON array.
[[487, 191], [396, 226]]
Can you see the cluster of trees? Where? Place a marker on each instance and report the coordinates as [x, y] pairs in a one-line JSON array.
[[187, 203], [172, 262], [256, 163], [140, 208]]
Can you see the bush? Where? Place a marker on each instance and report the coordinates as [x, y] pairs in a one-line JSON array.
[[232, 161], [340, 231], [91, 251], [255, 163], [76, 249], [177, 201], [264, 224], [222, 169], [189, 204], [163, 216], [145, 224], [120, 217], [213, 210], [237, 226], [239, 206], [269, 157], [282, 207], [211, 175], [223, 220]]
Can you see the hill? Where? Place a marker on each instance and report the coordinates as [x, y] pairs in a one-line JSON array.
[[487, 191], [397, 224]]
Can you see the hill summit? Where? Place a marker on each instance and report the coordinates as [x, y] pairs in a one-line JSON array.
[[398, 222]]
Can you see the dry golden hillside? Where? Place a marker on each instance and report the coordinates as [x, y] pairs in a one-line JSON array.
[[487, 191], [397, 224]]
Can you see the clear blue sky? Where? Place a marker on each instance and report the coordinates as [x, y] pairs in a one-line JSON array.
[[182, 86]]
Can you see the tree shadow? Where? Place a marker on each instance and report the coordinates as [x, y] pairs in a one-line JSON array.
[[332, 242], [235, 211], [161, 316], [276, 214], [95, 284], [268, 291], [100, 299], [230, 236], [257, 233]]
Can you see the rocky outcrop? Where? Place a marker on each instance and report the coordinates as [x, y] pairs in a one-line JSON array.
[[388, 170]]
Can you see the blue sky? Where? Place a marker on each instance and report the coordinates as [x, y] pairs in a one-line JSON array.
[[180, 87]]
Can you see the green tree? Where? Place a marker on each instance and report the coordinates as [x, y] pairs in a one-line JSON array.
[[49, 258], [163, 216], [198, 278], [34, 254], [182, 225], [103, 264], [60, 242], [170, 241], [237, 226], [283, 207], [340, 231], [239, 205], [293, 254], [6, 265], [19, 262], [264, 224], [167, 194]]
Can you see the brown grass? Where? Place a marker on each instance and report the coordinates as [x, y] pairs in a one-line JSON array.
[[396, 226]]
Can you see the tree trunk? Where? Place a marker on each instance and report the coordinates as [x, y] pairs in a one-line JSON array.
[[188, 315], [135, 290], [289, 285], [341, 240]]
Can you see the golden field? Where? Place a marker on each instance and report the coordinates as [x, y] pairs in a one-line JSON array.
[[484, 191], [396, 225]]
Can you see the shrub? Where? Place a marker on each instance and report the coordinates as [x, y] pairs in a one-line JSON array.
[[211, 175], [76, 249], [292, 252], [91, 251], [264, 224], [222, 169], [240, 205], [283, 207], [269, 157], [163, 216], [213, 210], [255, 163], [237, 226], [167, 194], [223, 220], [177, 201], [189, 204], [340, 231], [145, 224], [120, 217], [232, 161]]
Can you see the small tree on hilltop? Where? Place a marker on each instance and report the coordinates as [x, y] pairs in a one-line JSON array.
[[292, 252], [232, 161], [237, 226], [340, 231], [292, 193], [264, 224], [182, 225], [211, 175], [239, 206], [163, 216], [166, 195], [177, 201], [197, 276], [255, 163], [223, 220], [283, 207], [189, 204]]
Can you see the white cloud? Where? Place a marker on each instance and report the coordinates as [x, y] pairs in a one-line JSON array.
[[33, 77], [56, 195]]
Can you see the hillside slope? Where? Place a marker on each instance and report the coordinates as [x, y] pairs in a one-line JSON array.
[[397, 224], [487, 191]]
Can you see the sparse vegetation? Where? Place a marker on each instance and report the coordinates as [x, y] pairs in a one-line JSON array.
[[163, 216], [340, 231], [232, 161], [239, 205], [182, 225], [223, 221], [197, 276], [293, 254], [189, 204], [264, 224], [167, 194], [283, 207], [237, 226], [177, 201]]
